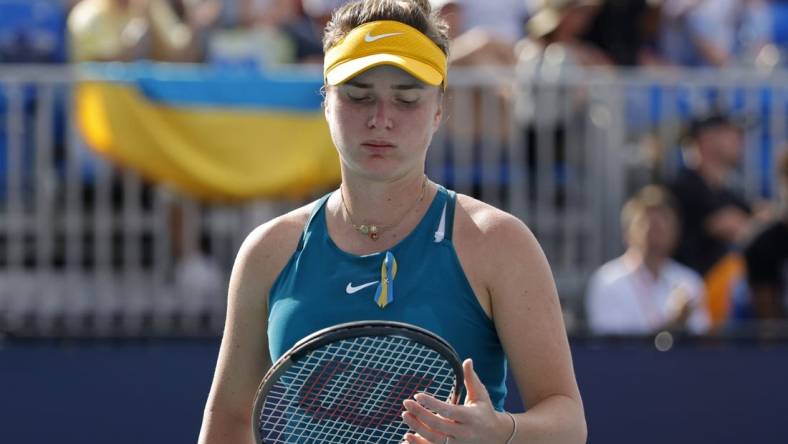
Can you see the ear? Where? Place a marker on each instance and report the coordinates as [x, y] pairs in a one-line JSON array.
[[438, 117]]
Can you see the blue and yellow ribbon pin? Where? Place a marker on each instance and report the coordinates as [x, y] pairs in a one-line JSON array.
[[388, 271]]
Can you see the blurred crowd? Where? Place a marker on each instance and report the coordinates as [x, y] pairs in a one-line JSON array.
[[699, 257], [268, 32], [697, 253]]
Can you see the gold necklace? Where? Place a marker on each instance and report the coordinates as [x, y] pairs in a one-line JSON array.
[[372, 230]]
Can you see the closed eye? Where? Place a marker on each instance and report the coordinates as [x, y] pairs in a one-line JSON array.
[[359, 98], [407, 98]]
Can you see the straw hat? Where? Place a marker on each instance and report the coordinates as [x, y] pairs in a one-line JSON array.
[[548, 14]]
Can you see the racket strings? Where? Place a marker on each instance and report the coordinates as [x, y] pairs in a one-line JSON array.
[[321, 435], [387, 360], [413, 384], [366, 378]]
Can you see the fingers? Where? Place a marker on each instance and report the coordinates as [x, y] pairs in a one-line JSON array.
[[473, 385], [444, 409], [434, 421], [422, 429]]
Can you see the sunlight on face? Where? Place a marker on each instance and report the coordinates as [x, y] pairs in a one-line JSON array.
[[382, 122]]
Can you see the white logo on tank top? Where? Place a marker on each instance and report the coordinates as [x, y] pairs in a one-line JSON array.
[[350, 289], [440, 233]]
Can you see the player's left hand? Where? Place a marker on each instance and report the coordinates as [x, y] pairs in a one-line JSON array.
[[438, 422]]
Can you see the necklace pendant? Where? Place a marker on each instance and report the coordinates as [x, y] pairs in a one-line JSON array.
[[373, 232], [373, 236]]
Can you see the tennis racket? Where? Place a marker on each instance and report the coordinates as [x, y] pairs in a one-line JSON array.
[[346, 384]]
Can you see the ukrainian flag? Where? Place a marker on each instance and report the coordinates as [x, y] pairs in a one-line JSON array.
[[213, 133]]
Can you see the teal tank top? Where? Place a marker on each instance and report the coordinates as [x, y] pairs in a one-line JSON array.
[[322, 286]]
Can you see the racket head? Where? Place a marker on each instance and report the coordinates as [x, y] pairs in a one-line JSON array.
[[346, 383]]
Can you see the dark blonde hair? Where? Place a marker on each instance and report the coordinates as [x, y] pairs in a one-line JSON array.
[[650, 197], [415, 13]]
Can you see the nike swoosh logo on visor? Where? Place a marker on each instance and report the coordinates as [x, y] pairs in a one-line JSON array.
[[369, 38], [350, 289]]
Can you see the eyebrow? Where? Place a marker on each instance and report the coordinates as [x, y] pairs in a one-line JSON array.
[[398, 87]]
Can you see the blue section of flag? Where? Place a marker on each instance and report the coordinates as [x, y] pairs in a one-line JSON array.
[[190, 85]]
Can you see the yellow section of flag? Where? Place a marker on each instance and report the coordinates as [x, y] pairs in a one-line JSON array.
[[211, 153]]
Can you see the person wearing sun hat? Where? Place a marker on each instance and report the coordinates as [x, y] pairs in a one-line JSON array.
[[549, 14], [552, 49], [391, 244], [556, 27]]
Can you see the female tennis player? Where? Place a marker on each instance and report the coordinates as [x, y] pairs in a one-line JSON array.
[[390, 244]]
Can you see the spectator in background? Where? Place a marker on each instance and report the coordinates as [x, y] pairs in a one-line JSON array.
[[126, 30], [718, 33], [767, 259], [180, 28], [260, 40], [714, 218], [557, 26], [644, 291], [482, 34], [476, 43], [545, 105], [628, 31], [553, 47], [306, 30], [502, 19], [268, 12], [108, 30]]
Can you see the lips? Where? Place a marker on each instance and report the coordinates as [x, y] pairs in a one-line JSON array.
[[377, 147], [377, 144]]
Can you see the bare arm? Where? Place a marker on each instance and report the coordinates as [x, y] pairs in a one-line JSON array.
[[511, 278], [243, 355], [729, 224], [527, 315]]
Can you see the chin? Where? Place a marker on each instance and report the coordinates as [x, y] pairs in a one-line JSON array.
[[378, 168]]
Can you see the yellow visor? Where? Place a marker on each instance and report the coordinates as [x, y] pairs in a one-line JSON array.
[[385, 43]]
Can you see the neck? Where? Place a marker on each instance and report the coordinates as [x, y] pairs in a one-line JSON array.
[[652, 262], [382, 203]]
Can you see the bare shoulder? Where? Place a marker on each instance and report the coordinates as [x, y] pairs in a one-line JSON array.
[[486, 228], [281, 232], [500, 253], [268, 247]]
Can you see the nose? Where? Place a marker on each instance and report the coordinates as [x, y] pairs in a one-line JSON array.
[[381, 116]]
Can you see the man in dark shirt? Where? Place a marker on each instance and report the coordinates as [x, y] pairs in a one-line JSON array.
[[767, 261], [714, 218]]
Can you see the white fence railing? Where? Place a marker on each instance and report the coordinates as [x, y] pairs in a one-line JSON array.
[[87, 248]]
